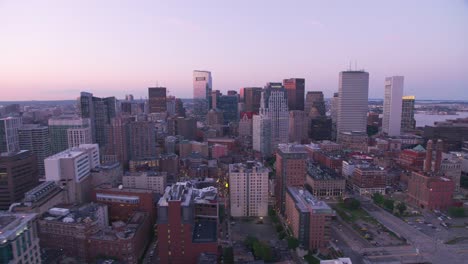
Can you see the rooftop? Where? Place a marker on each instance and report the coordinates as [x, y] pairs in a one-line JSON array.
[[319, 173], [248, 167], [77, 214], [121, 230], [306, 202], [13, 224], [187, 192], [292, 148]]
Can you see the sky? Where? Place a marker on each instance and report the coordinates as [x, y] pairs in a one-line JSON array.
[[52, 50]]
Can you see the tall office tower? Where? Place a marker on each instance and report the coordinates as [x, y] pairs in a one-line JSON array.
[[9, 141], [36, 139], [274, 104], [334, 114], [261, 134], [309, 218], [296, 90], [142, 140], [248, 189], [392, 110], [353, 98], [188, 221], [214, 97], [315, 104], [171, 105], [290, 170], [245, 129], [118, 140], [157, 99], [202, 87], [18, 172], [408, 122], [214, 118], [252, 96], [298, 126], [18, 233], [71, 169], [129, 97], [99, 111], [63, 128], [179, 108], [228, 105]]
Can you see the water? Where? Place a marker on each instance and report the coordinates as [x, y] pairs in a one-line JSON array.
[[428, 120]]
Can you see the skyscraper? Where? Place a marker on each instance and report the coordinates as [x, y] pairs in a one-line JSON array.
[[157, 99], [392, 110], [252, 97], [298, 126], [9, 141], [334, 114], [274, 104], [228, 105], [64, 128], [142, 140], [202, 87], [352, 101], [407, 114], [315, 103], [296, 90], [36, 139], [261, 134]]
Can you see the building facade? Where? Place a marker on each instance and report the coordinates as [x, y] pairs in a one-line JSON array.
[[36, 139], [392, 110], [408, 122], [9, 141], [157, 99], [296, 90]]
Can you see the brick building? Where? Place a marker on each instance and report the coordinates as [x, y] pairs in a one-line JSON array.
[[369, 180], [429, 191], [323, 182]]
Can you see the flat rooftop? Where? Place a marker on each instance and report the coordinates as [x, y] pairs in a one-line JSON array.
[[292, 148], [187, 192], [306, 202], [13, 223], [248, 167], [320, 173]]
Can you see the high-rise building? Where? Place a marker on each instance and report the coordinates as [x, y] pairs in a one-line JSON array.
[[182, 126], [118, 140], [71, 168], [248, 189], [202, 87], [352, 101], [171, 105], [309, 218], [36, 139], [64, 128], [246, 126], [298, 126], [214, 97], [261, 134], [155, 181], [100, 111], [274, 104], [142, 140], [157, 99], [18, 171], [188, 222], [291, 170], [408, 122], [228, 105], [252, 96], [392, 109], [315, 104], [9, 141], [296, 89], [18, 236]]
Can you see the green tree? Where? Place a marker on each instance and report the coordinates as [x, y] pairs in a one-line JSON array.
[[250, 241], [293, 242], [389, 204], [228, 255], [401, 207], [311, 259], [456, 211], [378, 198], [352, 204]]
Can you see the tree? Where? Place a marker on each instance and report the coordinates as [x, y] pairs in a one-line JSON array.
[[228, 255], [293, 242], [279, 228], [456, 211], [250, 241], [352, 204], [282, 235], [389, 204], [401, 207], [378, 198]]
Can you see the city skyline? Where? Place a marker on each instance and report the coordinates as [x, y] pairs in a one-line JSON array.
[[57, 49]]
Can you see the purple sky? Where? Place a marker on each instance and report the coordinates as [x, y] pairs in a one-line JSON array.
[[55, 49]]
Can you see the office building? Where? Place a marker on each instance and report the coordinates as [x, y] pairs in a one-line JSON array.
[[290, 170], [187, 223], [9, 141], [320, 128], [334, 104], [36, 139], [245, 129], [309, 218], [182, 126], [68, 131], [252, 96], [298, 126], [142, 140], [202, 87], [315, 104], [452, 132], [228, 105], [18, 238], [157, 99], [40, 199], [261, 134], [353, 97], [248, 189], [71, 169], [149, 180], [429, 191], [295, 88], [354, 140], [118, 140], [412, 159], [18, 172], [323, 182], [274, 105], [392, 110], [408, 123], [367, 180]]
